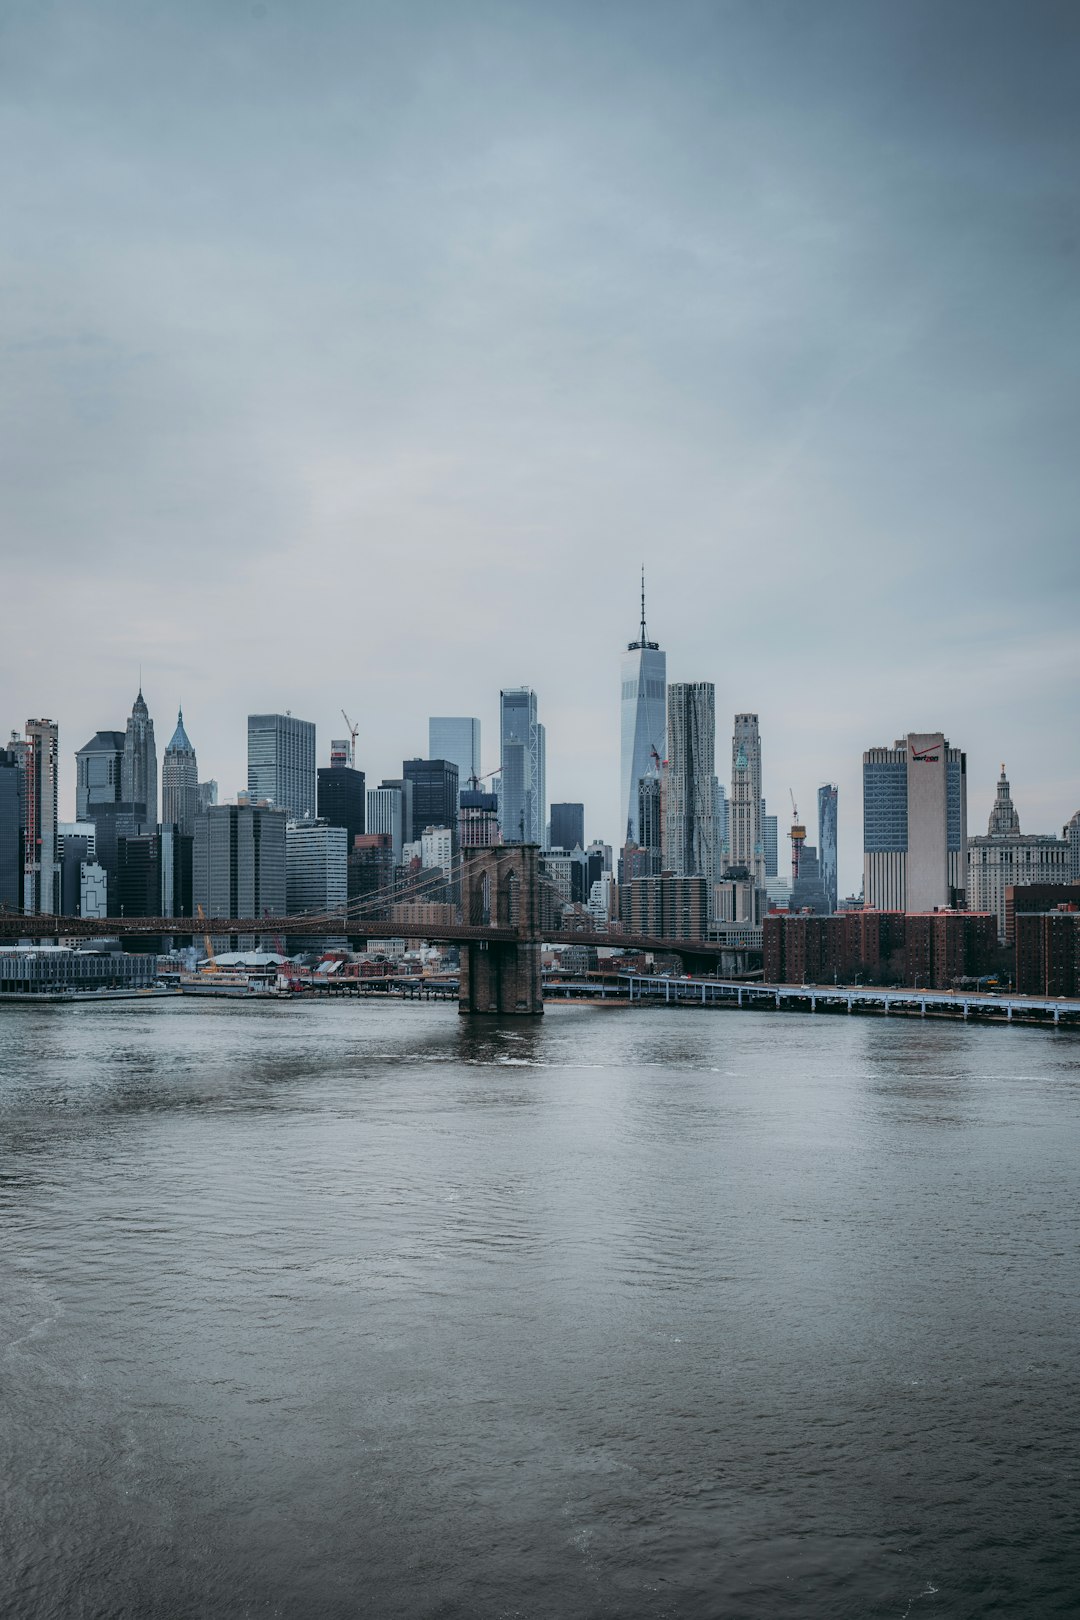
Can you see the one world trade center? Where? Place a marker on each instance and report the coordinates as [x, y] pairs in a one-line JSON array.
[[644, 721]]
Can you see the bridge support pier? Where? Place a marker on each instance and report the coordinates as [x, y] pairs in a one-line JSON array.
[[500, 979], [500, 886]]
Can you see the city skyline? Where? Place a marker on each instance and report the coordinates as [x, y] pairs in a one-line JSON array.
[[851, 830], [784, 303]]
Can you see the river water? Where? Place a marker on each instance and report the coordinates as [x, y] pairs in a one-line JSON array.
[[361, 1310]]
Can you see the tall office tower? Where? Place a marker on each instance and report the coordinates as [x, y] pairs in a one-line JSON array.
[[434, 794], [522, 790], [567, 826], [644, 722], [456, 738], [1007, 858], [138, 772], [371, 871], [826, 822], [281, 763], [651, 814], [12, 833], [111, 823], [389, 811], [206, 796], [239, 865], [138, 875], [316, 874], [341, 796], [770, 839], [177, 856], [99, 768], [180, 781], [744, 817], [76, 844], [720, 806], [41, 871], [914, 824], [690, 802]]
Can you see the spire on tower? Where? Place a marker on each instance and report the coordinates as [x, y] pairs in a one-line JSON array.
[[643, 642]]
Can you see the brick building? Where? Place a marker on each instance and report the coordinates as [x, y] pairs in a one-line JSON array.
[[666, 907], [930, 949], [1048, 951]]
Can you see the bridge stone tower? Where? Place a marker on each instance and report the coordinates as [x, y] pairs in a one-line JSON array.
[[500, 889]]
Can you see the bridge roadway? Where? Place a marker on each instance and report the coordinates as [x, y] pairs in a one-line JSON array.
[[14, 927]]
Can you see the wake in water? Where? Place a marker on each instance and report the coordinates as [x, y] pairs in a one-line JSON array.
[[928, 1591]]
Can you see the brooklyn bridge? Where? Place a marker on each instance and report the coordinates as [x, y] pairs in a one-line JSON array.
[[502, 921]]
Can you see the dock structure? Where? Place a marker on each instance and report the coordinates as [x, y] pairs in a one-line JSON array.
[[1003, 1007]]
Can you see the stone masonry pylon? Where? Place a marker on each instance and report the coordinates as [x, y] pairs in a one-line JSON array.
[[500, 888]]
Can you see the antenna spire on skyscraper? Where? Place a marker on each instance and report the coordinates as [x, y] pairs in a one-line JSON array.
[[643, 604]]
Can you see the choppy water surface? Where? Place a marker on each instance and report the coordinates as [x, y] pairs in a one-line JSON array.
[[354, 1310]]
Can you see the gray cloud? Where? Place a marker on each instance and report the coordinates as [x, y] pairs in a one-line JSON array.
[[357, 355]]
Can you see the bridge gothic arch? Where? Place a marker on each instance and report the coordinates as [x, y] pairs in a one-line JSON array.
[[500, 885]]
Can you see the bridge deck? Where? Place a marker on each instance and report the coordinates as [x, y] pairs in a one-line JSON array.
[[14, 927], [850, 998]]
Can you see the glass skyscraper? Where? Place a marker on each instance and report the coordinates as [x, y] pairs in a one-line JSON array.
[[691, 806], [99, 773], [281, 763], [644, 723], [568, 826], [456, 738], [522, 791], [826, 820]]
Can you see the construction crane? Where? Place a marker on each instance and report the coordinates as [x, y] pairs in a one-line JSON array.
[[475, 781], [353, 731], [798, 838]]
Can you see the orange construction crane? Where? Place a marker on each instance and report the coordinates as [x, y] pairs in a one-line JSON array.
[[798, 838]]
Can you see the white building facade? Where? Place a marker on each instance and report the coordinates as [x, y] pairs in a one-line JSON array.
[[316, 875], [746, 834], [1006, 858], [915, 824]]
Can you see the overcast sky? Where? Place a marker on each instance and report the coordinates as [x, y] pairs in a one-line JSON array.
[[356, 356]]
